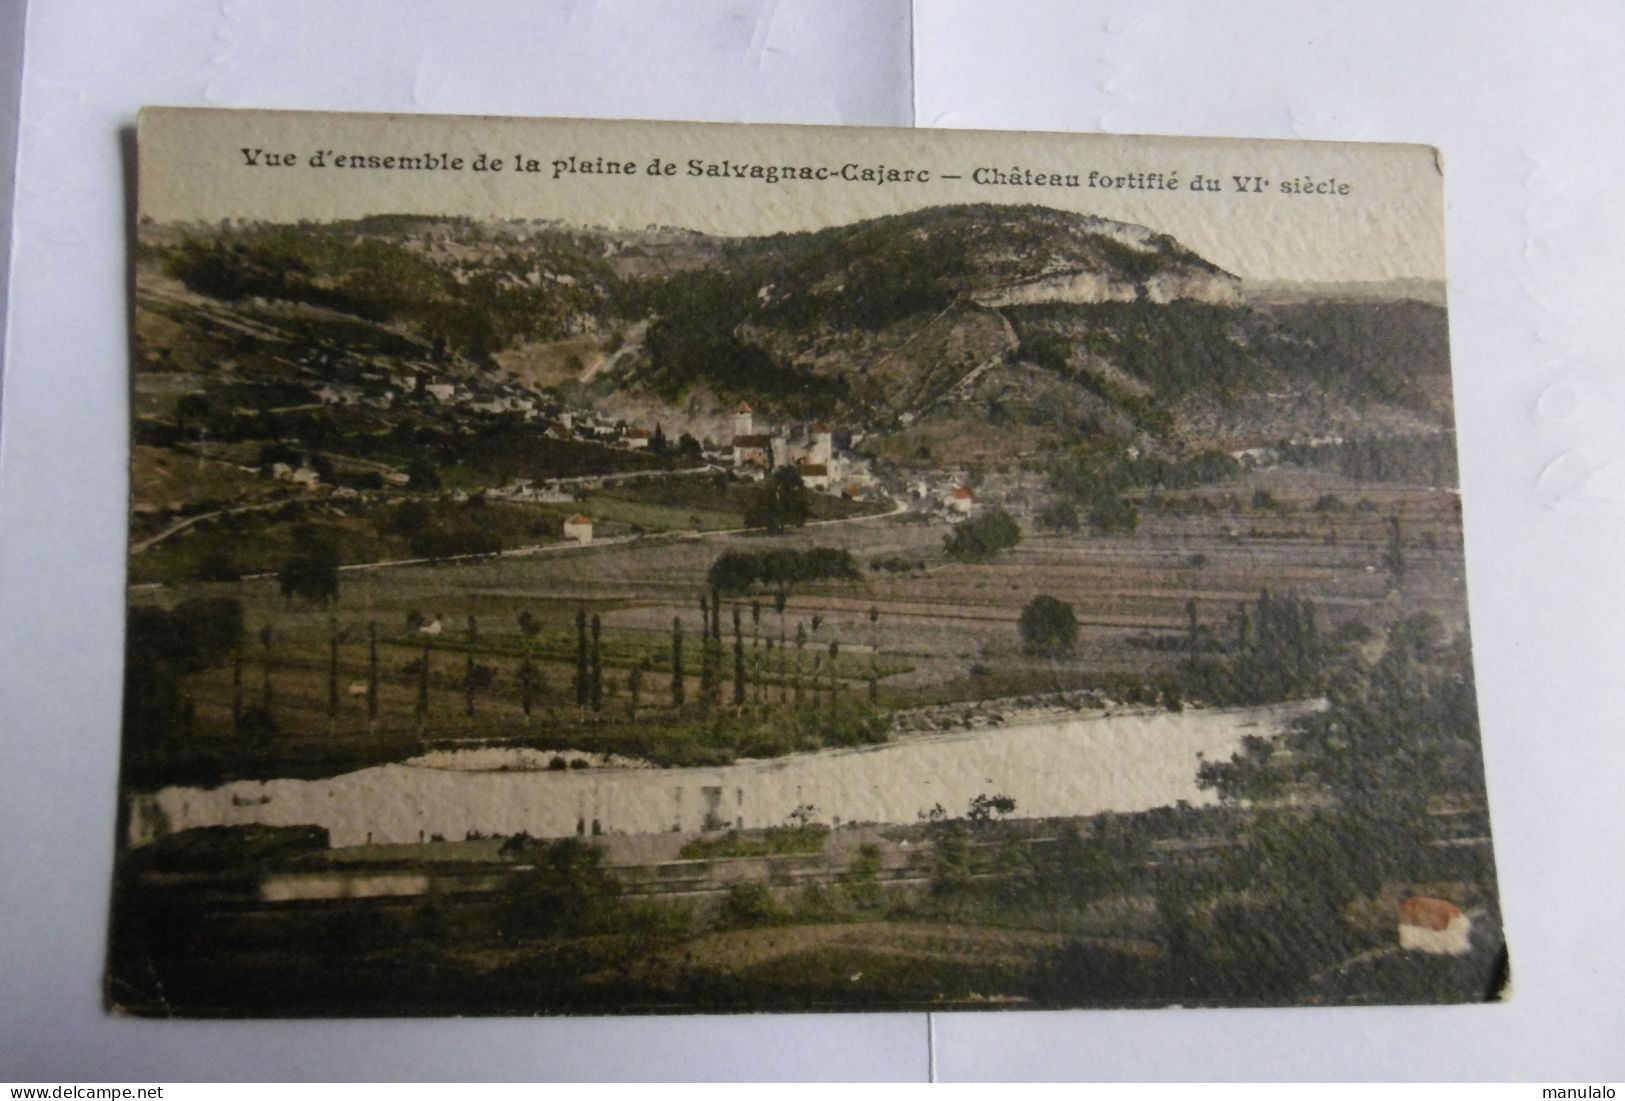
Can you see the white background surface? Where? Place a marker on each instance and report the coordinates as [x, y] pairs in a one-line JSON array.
[[1522, 99]]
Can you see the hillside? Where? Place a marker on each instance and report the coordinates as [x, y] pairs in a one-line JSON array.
[[992, 317]]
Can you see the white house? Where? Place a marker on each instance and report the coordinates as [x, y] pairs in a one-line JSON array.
[[304, 477], [744, 423], [579, 528], [813, 475], [1435, 926], [961, 500], [637, 438], [755, 449]]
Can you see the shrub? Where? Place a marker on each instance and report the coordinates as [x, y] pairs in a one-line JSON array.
[[1058, 516], [980, 538], [1048, 626], [740, 571], [748, 904], [1113, 515]]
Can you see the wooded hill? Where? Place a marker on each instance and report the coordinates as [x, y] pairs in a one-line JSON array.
[[1036, 316]]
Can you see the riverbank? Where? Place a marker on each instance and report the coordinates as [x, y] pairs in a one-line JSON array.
[[1067, 766]]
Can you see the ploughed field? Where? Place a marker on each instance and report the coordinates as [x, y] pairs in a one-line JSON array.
[[942, 631]]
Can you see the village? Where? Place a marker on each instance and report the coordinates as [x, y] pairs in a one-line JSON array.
[[827, 460]]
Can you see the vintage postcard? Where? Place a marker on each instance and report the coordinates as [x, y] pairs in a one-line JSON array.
[[612, 567]]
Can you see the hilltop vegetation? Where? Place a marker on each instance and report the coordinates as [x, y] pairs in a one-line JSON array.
[[444, 281], [1131, 332]]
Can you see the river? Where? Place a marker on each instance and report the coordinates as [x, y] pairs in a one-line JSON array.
[[1052, 766]]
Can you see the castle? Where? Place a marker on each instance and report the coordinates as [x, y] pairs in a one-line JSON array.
[[811, 453]]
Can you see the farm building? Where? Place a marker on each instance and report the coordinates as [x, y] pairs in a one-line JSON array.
[[961, 500], [637, 438], [579, 528], [1434, 925]]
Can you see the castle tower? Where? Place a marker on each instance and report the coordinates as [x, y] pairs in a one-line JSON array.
[[822, 441], [744, 423]]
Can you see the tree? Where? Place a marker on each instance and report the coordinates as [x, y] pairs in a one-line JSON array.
[[568, 889], [313, 571], [987, 808], [981, 537], [781, 598], [1058, 516], [713, 649], [1113, 514], [423, 689], [1393, 558], [1048, 627], [470, 680], [196, 411], [706, 673], [756, 650], [597, 670], [421, 475], [162, 649], [332, 671], [265, 668], [237, 688], [801, 646], [782, 502], [372, 675], [678, 692], [874, 655], [583, 685], [529, 628], [739, 662], [634, 689]]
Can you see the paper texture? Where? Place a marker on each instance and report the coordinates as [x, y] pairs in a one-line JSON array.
[[634, 567]]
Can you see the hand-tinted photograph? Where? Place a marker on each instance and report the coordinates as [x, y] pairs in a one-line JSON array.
[[607, 568]]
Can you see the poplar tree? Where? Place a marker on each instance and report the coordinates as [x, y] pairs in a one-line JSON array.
[[372, 676], [874, 655], [597, 694], [739, 662], [423, 689], [756, 650], [266, 696], [237, 687], [528, 628], [332, 672], [705, 653], [581, 661], [677, 689]]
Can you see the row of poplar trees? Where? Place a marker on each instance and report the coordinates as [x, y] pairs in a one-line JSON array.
[[752, 676]]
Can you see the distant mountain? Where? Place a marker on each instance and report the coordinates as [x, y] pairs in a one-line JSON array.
[[1430, 291]]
